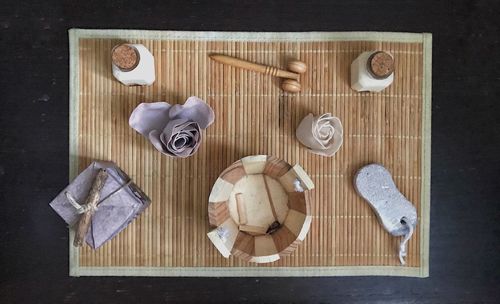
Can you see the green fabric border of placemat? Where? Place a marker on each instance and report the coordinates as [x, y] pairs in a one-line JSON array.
[[423, 271]]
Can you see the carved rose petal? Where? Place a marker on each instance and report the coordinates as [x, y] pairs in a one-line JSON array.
[[173, 130], [180, 138], [322, 134]]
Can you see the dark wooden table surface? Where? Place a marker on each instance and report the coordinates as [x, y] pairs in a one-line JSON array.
[[465, 228]]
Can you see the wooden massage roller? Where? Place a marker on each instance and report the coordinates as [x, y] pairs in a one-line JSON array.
[[289, 84]]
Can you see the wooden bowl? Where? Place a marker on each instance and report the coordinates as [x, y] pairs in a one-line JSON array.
[[260, 206]]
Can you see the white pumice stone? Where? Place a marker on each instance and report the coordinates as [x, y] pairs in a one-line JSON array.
[[375, 184]]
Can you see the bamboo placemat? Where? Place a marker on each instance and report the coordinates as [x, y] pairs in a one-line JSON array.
[[253, 116]]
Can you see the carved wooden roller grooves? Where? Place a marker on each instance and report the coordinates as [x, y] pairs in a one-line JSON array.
[[290, 83]]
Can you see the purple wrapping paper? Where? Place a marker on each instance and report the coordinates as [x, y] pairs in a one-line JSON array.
[[174, 130], [120, 202]]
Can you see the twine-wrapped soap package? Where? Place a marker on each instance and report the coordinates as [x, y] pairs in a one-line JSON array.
[[120, 202]]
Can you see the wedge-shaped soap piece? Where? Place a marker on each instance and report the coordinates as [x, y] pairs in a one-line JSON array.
[[296, 174], [224, 236], [265, 250], [254, 164]]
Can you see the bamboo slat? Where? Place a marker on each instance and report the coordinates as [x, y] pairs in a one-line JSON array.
[[253, 116]]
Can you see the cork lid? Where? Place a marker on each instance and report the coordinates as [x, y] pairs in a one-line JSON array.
[[125, 57], [381, 65]]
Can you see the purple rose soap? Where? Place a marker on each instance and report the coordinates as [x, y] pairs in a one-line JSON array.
[[174, 130], [120, 202]]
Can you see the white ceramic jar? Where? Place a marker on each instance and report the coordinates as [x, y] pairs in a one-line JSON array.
[[372, 71], [133, 64]]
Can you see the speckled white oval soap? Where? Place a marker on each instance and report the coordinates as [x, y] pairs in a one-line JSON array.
[[398, 215], [374, 183]]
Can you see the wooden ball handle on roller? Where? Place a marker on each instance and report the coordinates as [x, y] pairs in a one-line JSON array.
[[290, 84]]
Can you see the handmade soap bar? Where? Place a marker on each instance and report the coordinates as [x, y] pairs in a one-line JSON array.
[[372, 71], [120, 202], [133, 64]]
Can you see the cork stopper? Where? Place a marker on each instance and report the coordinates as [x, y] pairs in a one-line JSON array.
[[380, 65], [125, 57]]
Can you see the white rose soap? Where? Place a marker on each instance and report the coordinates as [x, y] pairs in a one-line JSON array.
[[322, 134]]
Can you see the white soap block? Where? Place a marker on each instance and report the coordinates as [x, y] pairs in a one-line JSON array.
[[361, 78], [143, 73]]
